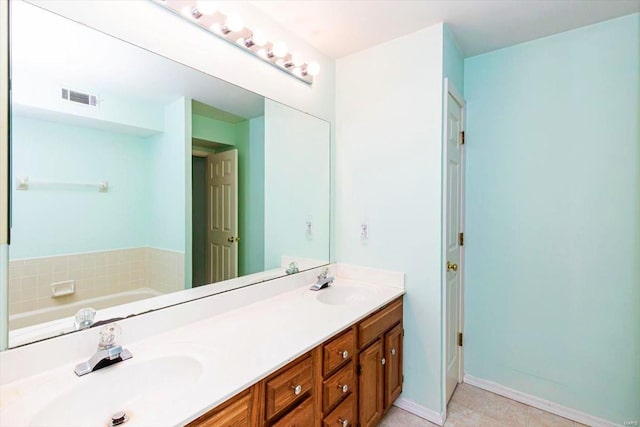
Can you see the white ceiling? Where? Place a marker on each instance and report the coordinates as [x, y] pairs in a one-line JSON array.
[[339, 28]]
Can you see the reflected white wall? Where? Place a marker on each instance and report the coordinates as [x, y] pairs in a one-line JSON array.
[[296, 184]]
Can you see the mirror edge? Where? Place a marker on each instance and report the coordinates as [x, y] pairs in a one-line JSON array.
[[4, 174]]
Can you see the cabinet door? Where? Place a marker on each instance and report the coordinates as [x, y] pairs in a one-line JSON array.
[[300, 416], [393, 365], [371, 380], [235, 412]]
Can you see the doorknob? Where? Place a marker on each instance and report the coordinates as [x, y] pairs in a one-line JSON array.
[[230, 239], [451, 267]]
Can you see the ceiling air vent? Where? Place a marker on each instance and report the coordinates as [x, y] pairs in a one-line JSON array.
[[79, 97]]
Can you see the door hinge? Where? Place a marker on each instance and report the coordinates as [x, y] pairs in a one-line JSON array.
[[461, 239], [403, 378], [462, 138], [358, 369], [460, 339]]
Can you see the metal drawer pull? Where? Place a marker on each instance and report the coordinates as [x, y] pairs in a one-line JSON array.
[[297, 389], [344, 388], [345, 423], [383, 361], [344, 354], [393, 351]]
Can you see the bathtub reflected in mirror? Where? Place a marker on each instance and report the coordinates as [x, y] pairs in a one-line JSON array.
[[139, 183]]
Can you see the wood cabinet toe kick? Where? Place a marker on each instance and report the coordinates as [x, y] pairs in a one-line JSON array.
[[350, 380]]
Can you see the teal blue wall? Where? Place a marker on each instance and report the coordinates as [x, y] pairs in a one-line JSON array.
[[49, 222], [169, 166], [250, 145], [213, 130], [552, 289], [452, 60], [144, 205]]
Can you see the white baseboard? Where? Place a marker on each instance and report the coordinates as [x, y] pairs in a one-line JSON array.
[[420, 411], [538, 402]]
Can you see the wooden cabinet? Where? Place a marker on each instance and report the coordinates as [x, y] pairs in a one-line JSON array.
[[338, 386], [350, 380], [379, 322], [237, 411], [380, 369], [337, 351], [393, 368], [371, 384], [293, 383], [344, 415], [300, 416]]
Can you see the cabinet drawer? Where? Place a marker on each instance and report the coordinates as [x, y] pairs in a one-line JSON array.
[[343, 416], [376, 324], [339, 385], [235, 412], [338, 351], [289, 386], [300, 416]]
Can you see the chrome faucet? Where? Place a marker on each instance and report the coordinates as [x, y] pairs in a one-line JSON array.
[[323, 280], [109, 352]]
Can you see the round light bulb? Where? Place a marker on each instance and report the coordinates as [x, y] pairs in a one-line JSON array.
[[216, 28], [206, 7], [262, 53], [234, 22], [297, 72], [296, 59], [186, 11], [258, 38], [280, 49], [313, 69]]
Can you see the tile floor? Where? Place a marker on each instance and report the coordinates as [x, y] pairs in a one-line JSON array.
[[471, 406]]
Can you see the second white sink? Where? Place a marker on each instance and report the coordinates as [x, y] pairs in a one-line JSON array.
[[346, 294]]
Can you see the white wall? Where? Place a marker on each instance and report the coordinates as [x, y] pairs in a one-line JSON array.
[[388, 173]]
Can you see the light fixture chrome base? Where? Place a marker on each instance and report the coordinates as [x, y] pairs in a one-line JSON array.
[[215, 24]]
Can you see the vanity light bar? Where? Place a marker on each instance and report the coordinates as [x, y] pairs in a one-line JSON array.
[[230, 27]]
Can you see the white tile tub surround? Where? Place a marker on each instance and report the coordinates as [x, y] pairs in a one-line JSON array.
[[31, 377], [96, 274]]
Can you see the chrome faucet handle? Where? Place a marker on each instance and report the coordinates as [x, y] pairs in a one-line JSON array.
[[109, 335]]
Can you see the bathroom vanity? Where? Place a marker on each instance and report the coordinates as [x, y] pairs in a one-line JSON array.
[[351, 379], [274, 354]]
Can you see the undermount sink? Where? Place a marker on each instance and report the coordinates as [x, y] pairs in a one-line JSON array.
[[345, 295], [127, 386]]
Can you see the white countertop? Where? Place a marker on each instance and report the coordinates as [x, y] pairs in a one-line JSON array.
[[224, 353]]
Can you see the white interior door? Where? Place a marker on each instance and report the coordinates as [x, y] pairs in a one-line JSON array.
[[453, 243], [222, 206]]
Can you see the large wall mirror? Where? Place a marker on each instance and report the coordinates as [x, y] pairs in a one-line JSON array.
[[138, 182]]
